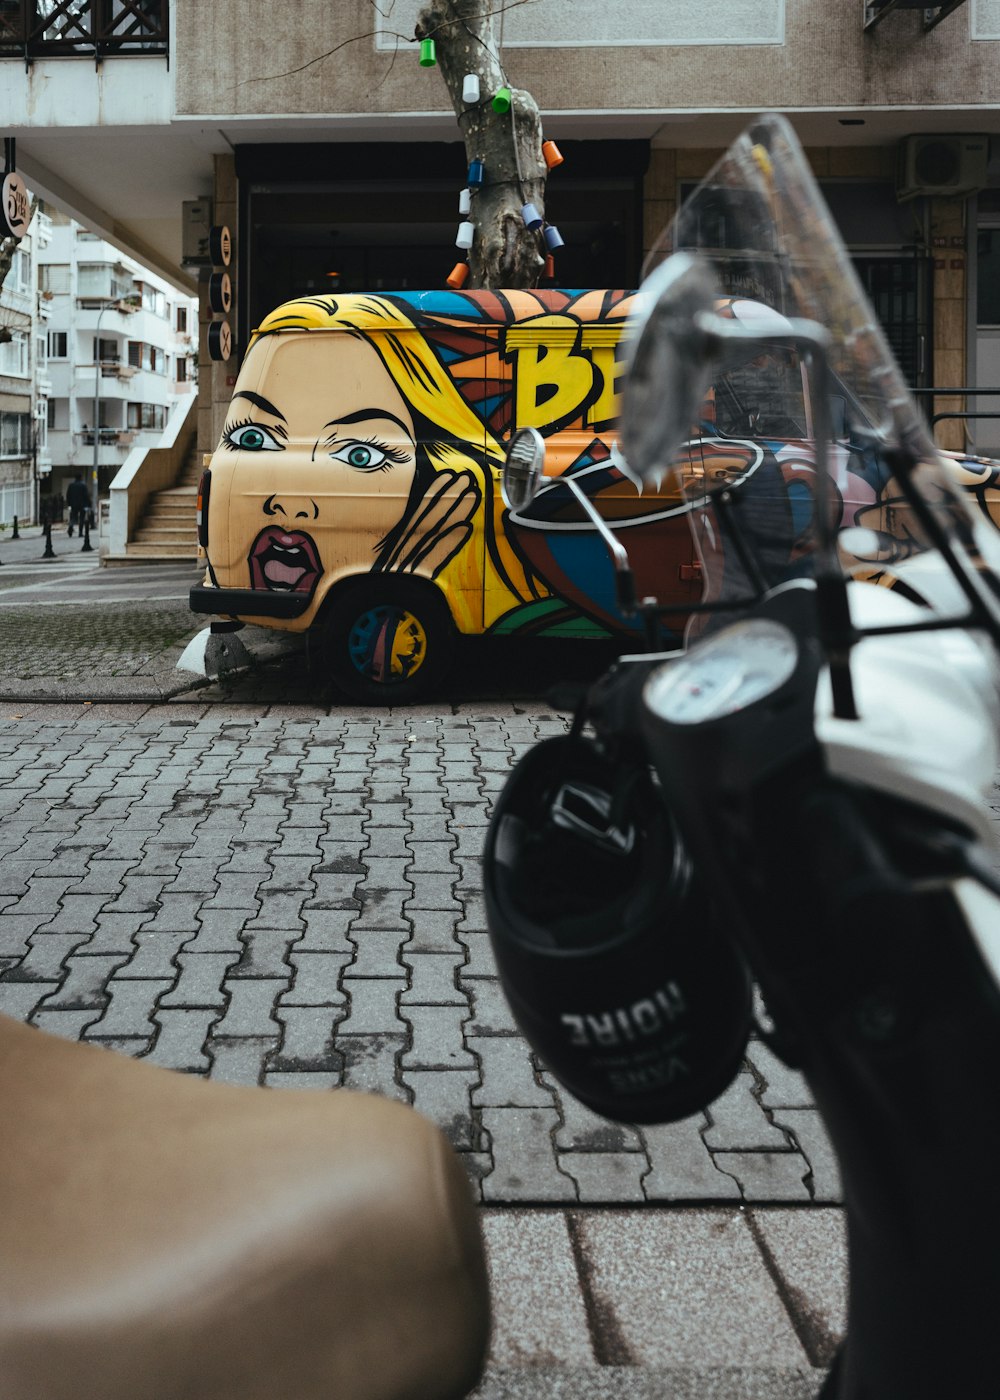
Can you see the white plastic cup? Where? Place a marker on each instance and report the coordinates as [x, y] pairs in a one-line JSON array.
[[465, 201], [470, 87], [466, 233]]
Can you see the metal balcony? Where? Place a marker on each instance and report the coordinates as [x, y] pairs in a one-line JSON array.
[[33, 29]]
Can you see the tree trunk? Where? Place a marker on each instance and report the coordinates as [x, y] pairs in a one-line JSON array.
[[505, 253]]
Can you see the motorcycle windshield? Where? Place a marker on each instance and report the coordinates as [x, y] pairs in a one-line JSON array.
[[887, 500]]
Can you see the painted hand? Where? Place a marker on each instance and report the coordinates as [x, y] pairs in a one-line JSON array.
[[440, 526]]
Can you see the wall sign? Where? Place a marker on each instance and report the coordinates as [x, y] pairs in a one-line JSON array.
[[15, 208]]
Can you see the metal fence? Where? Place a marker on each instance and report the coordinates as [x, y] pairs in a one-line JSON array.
[[16, 500]]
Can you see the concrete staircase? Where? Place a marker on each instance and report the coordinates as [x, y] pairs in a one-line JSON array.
[[168, 528]]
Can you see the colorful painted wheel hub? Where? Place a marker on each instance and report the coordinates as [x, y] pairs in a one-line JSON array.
[[387, 644]]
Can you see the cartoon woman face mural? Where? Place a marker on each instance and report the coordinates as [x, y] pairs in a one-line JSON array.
[[339, 464]]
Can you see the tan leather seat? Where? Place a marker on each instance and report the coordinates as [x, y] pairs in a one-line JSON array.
[[161, 1236]]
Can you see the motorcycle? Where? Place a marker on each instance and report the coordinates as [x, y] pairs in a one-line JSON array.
[[795, 799]]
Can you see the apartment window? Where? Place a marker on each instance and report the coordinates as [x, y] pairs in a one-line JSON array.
[[54, 277], [108, 352], [14, 355], [20, 271], [50, 416], [182, 320], [153, 301], [57, 345], [146, 415], [93, 280], [135, 354], [182, 369], [15, 434]]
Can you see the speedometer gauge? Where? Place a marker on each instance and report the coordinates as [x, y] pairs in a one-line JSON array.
[[724, 674]]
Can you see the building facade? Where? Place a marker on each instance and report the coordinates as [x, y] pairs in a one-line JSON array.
[[120, 348], [24, 456], [335, 160]]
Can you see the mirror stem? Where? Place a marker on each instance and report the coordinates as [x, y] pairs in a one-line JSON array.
[[624, 578]]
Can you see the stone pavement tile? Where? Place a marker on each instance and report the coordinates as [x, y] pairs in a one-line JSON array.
[[15, 930], [737, 1121], [130, 1009], [200, 981], [115, 934], [781, 1087], [250, 1011], [322, 1080], [334, 889], [647, 1383], [86, 983], [78, 914], [377, 952], [377, 843], [103, 877], [767, 1176], [239, 1061], [510, 1078], [434, 979], [606, 1177], [481, 962], [491, 1013], [584, 1131], [315, 979], [219, 931], [383, 813], [326, 931], [371, 1064], [177, 913], [432, 891], [46, 957], [808, 1252], [433, 931], [155, 955], [196, 875], [21, 999], [374, 1007], [683, 1287], [427, 805], [248, 858], [809, 1132], [42, 894], [437, 1038], [381, 908], [682, 1168], [443, 1096], [290, 874], [524, 1163], [180, 1042], [70, 1025], [278, 911], [140, 894], [539, 1317], [236, 891], [265, 953], [307, 1040]]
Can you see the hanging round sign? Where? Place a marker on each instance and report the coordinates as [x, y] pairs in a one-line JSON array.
[[14, 211], [220, 340], [220, 292], [220, 245]]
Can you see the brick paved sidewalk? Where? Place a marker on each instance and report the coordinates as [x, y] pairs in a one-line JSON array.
[[294, 898]]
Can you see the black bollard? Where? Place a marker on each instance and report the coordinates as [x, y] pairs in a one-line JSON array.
[[49, 551], [87, 547], [13, 534]]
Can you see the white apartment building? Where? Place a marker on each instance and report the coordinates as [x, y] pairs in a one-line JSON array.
[[24, 457], [120, 349]]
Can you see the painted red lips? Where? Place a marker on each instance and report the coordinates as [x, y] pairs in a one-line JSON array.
[[284, 561]]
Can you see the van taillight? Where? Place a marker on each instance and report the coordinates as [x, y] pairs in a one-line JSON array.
[[204, 489]]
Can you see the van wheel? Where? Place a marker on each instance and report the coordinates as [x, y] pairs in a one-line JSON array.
[[389, 643]]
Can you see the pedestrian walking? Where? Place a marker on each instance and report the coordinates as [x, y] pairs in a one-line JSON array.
[[78, 500]]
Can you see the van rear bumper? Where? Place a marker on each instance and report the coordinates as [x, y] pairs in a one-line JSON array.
[[247, 602]]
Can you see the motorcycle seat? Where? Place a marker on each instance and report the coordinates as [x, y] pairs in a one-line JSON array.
[[165, 1236]]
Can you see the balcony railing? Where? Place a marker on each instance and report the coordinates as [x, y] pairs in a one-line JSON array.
[[32, 29]]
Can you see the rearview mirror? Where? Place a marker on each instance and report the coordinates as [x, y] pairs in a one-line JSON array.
[[522, 470]]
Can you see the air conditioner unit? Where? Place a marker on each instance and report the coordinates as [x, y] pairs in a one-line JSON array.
[[941, 165], [197, 220]]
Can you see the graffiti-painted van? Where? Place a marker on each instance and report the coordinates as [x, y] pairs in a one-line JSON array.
[[356, 488], [355, 493]]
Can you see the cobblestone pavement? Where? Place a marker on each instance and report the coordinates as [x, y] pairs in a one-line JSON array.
[[292, 897], [297, 901]]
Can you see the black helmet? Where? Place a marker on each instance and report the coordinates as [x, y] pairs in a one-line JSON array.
[[607, 946]]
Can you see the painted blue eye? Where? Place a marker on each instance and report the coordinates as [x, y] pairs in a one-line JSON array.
[[251, 437], [363, 456]]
